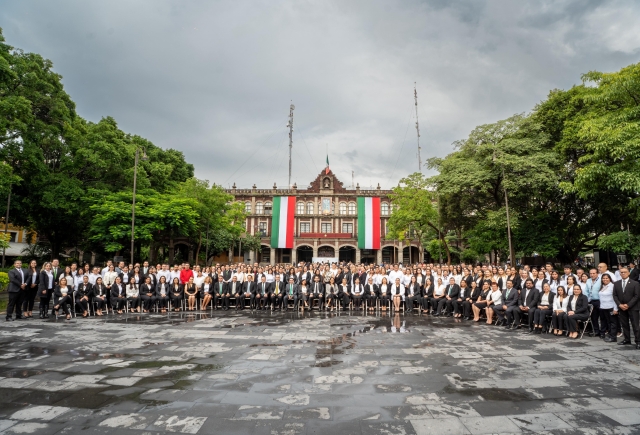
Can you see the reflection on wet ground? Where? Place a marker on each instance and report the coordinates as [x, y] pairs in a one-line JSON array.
[[292, 372]]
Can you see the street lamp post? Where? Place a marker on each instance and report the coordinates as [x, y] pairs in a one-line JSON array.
[[133, 205], [512, 254]]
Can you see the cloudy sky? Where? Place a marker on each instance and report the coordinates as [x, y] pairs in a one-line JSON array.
[[215, 79]]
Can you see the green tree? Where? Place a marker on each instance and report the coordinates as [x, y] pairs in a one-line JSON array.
[[415, 211], [157, 215]]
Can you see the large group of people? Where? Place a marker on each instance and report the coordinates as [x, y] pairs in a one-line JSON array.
[[541, 300]]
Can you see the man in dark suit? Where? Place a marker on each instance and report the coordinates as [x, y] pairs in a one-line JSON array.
[[260, 294], [509, 301], [221, 293], [277, 291], [626, 294], [248, 290], [527, 303], [291, 293], [451, 293], [634, 273], [57, 271], [17, 289]]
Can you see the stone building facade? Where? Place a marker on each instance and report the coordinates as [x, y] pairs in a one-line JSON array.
[[326, 223]]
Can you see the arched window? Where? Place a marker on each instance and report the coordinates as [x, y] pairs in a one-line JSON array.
[[259, 209], [384, 209], [309, 208], [352, 208], [300, 207], [342, 208], [267, 207], [247, 207]]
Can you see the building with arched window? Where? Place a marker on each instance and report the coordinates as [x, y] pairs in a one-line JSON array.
[[325, 223]]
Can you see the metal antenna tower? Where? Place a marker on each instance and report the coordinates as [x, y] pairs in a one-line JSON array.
[[415, 96], [290, 125]]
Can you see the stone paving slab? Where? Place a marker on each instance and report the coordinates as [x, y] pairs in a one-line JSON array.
[[311, 373]]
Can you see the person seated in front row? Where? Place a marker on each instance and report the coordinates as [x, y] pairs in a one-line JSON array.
[[147, 294], [118, 295], [206, 292], [371, 292], [357, 291], [162, 294], [190, 292], [577, 310], [62, 297], [559, 315], [291, 293], [277, 291], [133, 294], [176, 294], [260, 296], [544, 309], [84, 295], [317, 291]]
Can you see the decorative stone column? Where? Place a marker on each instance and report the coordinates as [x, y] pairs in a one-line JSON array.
[[272, 257]]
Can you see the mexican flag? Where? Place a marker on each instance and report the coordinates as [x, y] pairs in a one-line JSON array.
[[368, 223], [282, 221]]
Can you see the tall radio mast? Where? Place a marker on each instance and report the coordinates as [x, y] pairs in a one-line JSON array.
[[415, 96], [290, 125]]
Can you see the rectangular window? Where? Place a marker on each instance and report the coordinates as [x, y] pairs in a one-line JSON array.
[[347, 228], [262, 228], [12, 237], [305, 227], [325, 227]]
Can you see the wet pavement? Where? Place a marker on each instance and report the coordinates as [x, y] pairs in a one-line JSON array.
[[311, 373]]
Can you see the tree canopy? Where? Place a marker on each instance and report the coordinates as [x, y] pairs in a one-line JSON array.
[[71, 179], [570, 170]]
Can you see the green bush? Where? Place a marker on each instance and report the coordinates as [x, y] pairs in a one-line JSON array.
[[4, 280]]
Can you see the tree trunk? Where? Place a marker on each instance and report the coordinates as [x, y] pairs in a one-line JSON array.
[[171, 249], [198, 250]]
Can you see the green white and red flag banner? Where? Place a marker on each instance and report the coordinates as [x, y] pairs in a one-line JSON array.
[[282, 221], [368, 223]]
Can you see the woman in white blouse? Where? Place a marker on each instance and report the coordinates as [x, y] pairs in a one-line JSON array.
[[494, 299], [199, 278], [397, 292], [559, 316], [438, 293], [206, 292], [384, 293], [133, 294], [608, 311]]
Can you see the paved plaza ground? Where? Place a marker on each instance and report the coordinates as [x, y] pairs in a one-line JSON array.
[[312, 373]]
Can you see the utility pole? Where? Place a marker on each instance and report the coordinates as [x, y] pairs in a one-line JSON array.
[[415, 96], [290, 125]]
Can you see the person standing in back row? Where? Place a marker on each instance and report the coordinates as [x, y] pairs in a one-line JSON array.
[[17, 289], [626, 293]]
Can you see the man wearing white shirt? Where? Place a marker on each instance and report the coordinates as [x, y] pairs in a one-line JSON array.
[[592, 290], [93, 276], [166, 273], [106, 268], [603, 268], [568, 273], [395, 273], [175, 273]]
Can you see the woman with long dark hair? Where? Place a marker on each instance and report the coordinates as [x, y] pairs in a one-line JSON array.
[[32, 279]]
